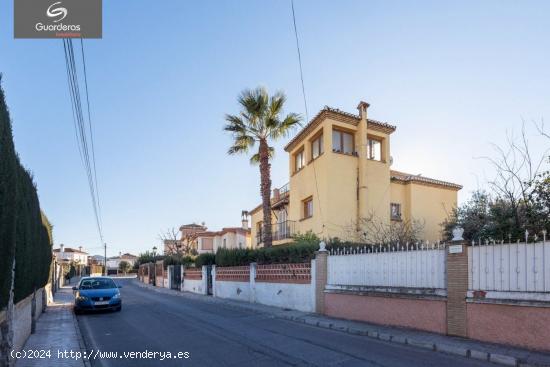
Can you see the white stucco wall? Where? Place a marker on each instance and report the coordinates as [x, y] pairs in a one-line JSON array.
[[22, 319], [193, 285], [233, 290], [22, 323], [293, 296]]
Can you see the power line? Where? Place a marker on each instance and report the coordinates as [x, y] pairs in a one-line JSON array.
[[305, 106], [90, 126], [80, 129], [299, 58]]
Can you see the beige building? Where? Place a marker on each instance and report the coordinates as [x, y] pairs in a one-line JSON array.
[[230, 238], [340, 177], [196, 238]]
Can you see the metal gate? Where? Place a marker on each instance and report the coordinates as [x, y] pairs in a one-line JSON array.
[[209, 280], [175, 277]]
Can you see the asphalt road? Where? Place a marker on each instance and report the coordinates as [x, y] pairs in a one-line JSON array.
[[216, 335]]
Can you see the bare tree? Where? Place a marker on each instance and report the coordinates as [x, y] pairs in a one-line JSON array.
[[516, 168], [178, 243], [374, 230], [170, 234]]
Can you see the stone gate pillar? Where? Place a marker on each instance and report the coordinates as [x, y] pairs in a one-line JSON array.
[[457, 286], [321, 262]]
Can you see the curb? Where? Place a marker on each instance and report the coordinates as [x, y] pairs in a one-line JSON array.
[[81, 342], [399, 339], [445, 348]]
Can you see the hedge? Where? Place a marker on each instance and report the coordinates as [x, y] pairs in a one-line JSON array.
[[8, 184], [23, 230], [283, 254], [177, 260], [205, 259], [302, 249]]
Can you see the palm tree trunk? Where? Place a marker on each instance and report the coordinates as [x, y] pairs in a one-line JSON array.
[[265, 190]]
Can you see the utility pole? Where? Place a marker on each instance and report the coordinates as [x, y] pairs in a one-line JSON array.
[[105, 260]]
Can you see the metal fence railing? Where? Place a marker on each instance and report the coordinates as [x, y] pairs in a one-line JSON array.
[[413, 266], [509, 267]]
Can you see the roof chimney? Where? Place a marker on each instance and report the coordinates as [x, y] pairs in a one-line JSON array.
[[80, 248], [362, 107], [62, 248], [244, 219]]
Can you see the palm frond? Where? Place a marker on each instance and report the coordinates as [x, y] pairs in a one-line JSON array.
[[283, 128], [259, 118], [276, 104], [235, 124]]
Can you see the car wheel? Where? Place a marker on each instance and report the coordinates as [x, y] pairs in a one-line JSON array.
[[118, 308]]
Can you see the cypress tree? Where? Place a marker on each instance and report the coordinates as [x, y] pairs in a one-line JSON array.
[[8, 194], [24, 235]]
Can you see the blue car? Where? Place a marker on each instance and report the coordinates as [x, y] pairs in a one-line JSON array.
[[96, 293]]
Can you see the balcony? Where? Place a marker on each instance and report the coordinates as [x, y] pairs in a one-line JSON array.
[[279, 231], [280, 196]]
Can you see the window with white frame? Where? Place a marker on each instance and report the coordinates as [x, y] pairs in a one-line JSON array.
[[374, 149], [299, 160]]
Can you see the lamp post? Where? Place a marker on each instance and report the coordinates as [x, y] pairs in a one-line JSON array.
[[154, 265]]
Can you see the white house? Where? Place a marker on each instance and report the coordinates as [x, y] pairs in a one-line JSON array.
[[230, 237], [67, 254], [114, 262]]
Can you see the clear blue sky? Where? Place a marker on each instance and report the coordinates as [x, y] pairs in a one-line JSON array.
[[452, 77]]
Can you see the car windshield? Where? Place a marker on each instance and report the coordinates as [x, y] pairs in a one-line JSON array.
[[97, 284]]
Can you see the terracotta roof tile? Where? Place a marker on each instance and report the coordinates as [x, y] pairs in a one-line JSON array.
[[408, 177], [328, 112]]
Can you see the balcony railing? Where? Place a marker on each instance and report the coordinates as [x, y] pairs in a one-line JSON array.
[[283, 190], [279, 231]]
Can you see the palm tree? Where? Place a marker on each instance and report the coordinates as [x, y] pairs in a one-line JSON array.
[[260, 122]]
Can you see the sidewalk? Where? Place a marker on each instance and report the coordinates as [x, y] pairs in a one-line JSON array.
[[500, 354], [56, 330]]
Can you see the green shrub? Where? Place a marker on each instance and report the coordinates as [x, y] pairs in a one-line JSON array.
[[176, 259], [308, 238], [205, 259], [302, 251], [234, 257], [8, 189], [289, 253], [24, 231]]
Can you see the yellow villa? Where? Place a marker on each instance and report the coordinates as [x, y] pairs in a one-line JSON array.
[[339, 166]]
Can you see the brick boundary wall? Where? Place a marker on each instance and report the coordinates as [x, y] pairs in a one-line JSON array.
[[284, 273], [518, 325], [417, 313], [193, 273], [233, 273], [457, 290], [321, 278]]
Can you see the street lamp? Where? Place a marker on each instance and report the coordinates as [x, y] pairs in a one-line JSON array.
[[153, 278]]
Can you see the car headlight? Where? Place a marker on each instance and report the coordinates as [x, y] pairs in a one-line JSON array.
[[81, 298], [116, 296]]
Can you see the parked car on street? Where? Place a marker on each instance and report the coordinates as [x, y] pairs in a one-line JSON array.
[[97, 293]]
